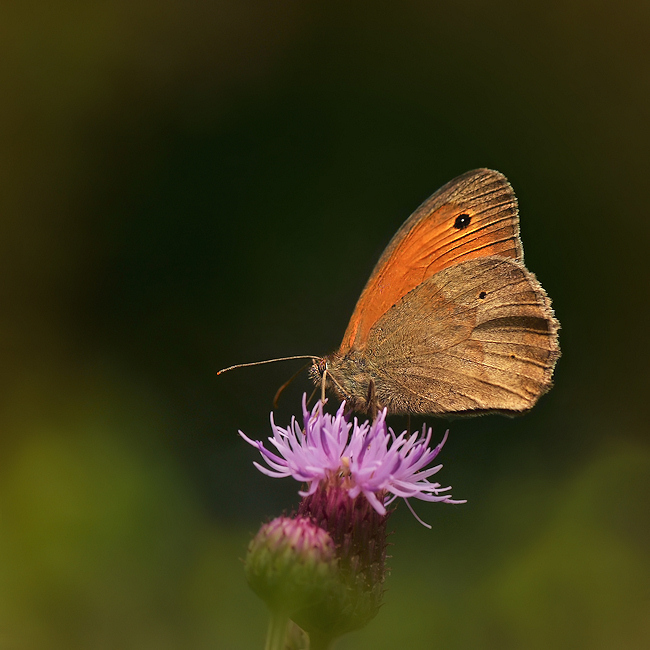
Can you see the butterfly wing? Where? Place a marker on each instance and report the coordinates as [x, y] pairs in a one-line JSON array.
[[479, 336], [473, 216]]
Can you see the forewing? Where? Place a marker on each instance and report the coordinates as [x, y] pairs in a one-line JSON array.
[[473, 216]]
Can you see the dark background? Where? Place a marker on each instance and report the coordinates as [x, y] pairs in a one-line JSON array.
[[187, 185]]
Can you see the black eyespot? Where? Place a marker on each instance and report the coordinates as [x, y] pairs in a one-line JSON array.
[[462, 221], [482, 295], [512, 356]]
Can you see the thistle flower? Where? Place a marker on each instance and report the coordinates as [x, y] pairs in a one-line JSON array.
[[365, 458], [353, 473]]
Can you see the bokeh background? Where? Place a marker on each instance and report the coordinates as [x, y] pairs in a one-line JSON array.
[[186, 185]]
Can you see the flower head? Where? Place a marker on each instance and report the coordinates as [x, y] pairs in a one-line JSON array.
[[291, 564], [365, 458]]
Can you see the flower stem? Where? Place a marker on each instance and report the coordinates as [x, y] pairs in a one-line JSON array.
[[277, 632], [320, 643]]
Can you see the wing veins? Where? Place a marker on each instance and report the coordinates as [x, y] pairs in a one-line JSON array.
[[459, 374]]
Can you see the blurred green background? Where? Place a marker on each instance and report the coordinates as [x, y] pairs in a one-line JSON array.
[[186, 185]]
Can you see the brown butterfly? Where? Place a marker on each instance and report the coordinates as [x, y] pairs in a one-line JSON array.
[[450, 322]]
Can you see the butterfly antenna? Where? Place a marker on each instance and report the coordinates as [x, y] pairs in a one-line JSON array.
[[313, 357], [286, 383]]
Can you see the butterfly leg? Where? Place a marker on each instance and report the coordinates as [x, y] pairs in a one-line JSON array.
[[371, 400]]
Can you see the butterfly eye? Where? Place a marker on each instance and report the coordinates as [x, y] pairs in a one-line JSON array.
[[482, 295], [462, 221]]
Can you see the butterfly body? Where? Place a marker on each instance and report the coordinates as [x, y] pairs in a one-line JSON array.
[[450, 322]]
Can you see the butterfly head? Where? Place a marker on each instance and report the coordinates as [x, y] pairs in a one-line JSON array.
[[346, 375], [318, 372]]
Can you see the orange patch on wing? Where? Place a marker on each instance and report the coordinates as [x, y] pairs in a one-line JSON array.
[[432, 245]]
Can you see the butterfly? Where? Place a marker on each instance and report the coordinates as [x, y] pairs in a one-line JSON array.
[[450, 322]]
